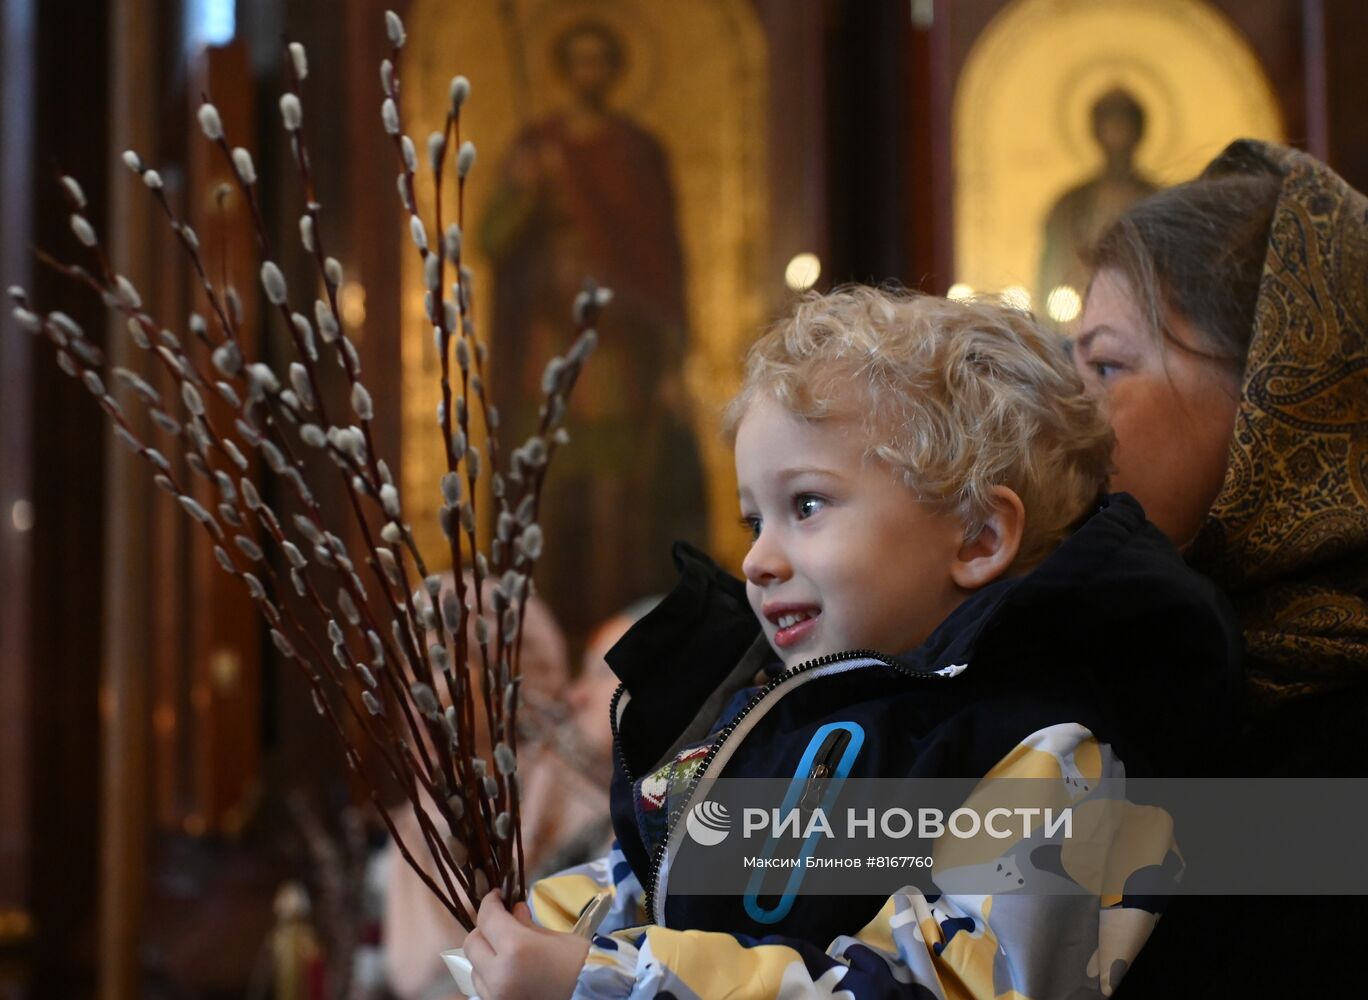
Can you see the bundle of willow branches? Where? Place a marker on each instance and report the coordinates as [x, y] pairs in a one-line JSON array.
[[404, 648]]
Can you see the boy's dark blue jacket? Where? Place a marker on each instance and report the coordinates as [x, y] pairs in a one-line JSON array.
[[1111, 632]]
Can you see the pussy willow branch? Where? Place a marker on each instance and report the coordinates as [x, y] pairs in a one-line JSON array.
[[428, 751], [239, 163], [314, 243], [445, 317], [437, 311], [191, 246], [65, 334]]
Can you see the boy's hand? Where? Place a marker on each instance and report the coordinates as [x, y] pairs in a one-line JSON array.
[[514, 959]]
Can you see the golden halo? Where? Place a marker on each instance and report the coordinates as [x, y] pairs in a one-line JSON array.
[[1080, 89], [551, 18]]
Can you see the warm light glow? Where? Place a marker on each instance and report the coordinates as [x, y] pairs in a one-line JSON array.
[[225, 668], [1016, 297], [21, 515], [959, 291], [1063, 304], [803, 271], [351, 303]]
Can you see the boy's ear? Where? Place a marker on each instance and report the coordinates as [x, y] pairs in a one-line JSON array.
[[989, 554]]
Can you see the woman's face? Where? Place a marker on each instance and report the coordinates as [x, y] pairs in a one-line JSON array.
[[1173, 411]]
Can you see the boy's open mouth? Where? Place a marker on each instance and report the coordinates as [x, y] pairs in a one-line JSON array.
[[794, 622]]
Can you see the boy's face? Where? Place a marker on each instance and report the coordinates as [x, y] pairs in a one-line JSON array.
[[844, 557]]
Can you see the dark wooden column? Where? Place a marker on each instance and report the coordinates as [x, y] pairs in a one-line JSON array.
[[928, 175], [66, 449], [1346, 38], [134, 90], [868, 79]]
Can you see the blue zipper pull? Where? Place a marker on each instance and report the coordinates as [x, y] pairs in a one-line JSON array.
[[829, 758]]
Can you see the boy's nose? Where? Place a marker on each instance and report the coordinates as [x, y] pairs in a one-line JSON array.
[[764, 563]]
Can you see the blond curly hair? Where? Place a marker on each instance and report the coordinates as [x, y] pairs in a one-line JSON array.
[[957, 396]]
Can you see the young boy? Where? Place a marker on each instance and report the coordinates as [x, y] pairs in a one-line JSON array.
[[934, 565]]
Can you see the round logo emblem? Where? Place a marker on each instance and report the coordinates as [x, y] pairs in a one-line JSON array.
[[708, 823]]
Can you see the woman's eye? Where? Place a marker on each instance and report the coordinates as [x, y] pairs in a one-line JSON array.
[[807, 505], [1104, 369]]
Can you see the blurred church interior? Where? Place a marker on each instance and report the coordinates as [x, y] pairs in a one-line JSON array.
[[175, 820]]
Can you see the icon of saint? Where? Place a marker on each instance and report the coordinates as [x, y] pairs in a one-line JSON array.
[[1084, 212], [586, 192]]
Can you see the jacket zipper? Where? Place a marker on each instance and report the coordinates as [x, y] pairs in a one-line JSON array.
[[822, 661], [824, 765], [613, 725]]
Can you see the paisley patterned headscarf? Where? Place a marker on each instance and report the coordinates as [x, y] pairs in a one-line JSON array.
[[1287, 537]]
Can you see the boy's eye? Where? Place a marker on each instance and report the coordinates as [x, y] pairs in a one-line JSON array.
[[752, 525], [805, 505]]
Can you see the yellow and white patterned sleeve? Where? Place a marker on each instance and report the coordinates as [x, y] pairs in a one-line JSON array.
[[558, 900]]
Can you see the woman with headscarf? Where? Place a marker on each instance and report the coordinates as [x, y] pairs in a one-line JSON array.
[[1227, 328]]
